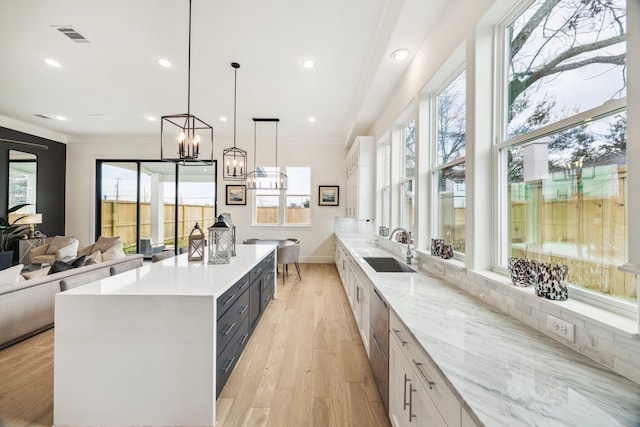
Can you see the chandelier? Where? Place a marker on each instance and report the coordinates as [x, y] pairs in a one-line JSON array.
[[184, 138], [234, 160], [265, 178]]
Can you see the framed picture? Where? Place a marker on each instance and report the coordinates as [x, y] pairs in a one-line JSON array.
[[328, 195], [236, 195]]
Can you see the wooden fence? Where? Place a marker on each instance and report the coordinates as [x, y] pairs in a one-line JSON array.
[[119, 219]]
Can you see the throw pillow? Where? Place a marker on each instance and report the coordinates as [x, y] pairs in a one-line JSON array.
[[104, 243], [96, 257], [86, 250], [11, 274], [59, 266], [57, 243], [79, 262], [114, 252]]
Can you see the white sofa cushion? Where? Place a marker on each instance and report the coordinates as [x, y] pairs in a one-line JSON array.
[[11, 274]]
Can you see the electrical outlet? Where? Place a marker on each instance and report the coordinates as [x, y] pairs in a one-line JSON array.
[[561, 328]]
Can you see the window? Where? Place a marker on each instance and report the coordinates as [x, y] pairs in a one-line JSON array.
[[449, 171], [563, 154], [275, 207], [384, 154], [407, 182], [138, 200]]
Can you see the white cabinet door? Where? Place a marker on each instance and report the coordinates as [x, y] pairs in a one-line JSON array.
[[422, 410], [398, 399], [364, 315]]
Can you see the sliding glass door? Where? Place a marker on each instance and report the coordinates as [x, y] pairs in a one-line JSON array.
[[153, 202]]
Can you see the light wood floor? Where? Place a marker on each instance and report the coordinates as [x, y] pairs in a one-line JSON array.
[[304, 366]]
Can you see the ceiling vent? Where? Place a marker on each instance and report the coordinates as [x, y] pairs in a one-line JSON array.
[[42, 116], [71, 32]]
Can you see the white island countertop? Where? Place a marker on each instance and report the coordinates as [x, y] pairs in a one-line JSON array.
[[507, 373], [178, 276]]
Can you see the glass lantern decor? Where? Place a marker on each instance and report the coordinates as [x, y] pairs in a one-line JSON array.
[[227, 219], [196, 244], [219, 242]]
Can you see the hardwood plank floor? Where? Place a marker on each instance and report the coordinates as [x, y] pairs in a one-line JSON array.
[[304, 366]]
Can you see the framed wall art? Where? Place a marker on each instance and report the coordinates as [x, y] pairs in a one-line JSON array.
[[328, 195], [236, 195]]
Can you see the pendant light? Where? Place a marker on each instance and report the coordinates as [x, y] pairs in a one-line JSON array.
[[234, 160], [261, 178], [184, 138]]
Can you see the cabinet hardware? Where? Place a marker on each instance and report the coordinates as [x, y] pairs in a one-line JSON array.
[[375, 339], [430, 384], [229, 328], [406, 380], [358, 293], [397, 332], [244, 308], [244, 339], [411, 415], [228, 300], [244, 285], [258, 271], [226, 368]]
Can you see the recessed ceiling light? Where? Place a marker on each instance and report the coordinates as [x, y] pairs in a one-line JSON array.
[[52, 62], [400, 54], [223, 119], [311, 119], [165, 63], [61, 118], [308, 63], [151, 118]]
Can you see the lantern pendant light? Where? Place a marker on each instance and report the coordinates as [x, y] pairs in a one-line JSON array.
[[234, 160], [262, 178], [188, 135]]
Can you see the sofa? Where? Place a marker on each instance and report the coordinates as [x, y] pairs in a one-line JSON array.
[[27, 305]]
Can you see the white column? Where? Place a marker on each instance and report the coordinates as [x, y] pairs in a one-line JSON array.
[[157, 209]]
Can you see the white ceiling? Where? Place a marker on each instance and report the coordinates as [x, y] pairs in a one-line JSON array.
[[110, 85]]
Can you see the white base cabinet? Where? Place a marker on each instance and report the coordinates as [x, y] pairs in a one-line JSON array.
[[418, 395], [357, 287]]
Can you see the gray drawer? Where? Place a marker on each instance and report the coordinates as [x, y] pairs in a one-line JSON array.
[[227, 299], [256, 271], [231, 320], [229, 357]]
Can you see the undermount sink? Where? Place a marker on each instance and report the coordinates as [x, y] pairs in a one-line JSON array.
[[388, 265]]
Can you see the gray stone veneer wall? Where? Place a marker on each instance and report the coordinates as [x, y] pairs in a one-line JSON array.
[[615, 348]]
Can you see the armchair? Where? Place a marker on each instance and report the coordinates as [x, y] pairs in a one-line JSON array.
[[59, 248]]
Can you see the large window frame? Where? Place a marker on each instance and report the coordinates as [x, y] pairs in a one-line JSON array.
[[408, 174], [506, 142], [284, 215], [173, 223], [442, 168]]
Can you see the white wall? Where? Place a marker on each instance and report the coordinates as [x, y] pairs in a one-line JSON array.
[[325, 157]]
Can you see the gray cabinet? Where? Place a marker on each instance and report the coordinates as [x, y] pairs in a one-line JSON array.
[[239, 310]]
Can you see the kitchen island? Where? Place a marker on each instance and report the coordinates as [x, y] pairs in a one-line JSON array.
[[140, 348]]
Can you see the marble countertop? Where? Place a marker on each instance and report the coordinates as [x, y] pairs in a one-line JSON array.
[[507, 373], [178, 276]]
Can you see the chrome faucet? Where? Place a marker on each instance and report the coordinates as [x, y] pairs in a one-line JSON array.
[[409, 240]]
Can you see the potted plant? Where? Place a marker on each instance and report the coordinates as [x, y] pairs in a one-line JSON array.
[[10, 232]]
